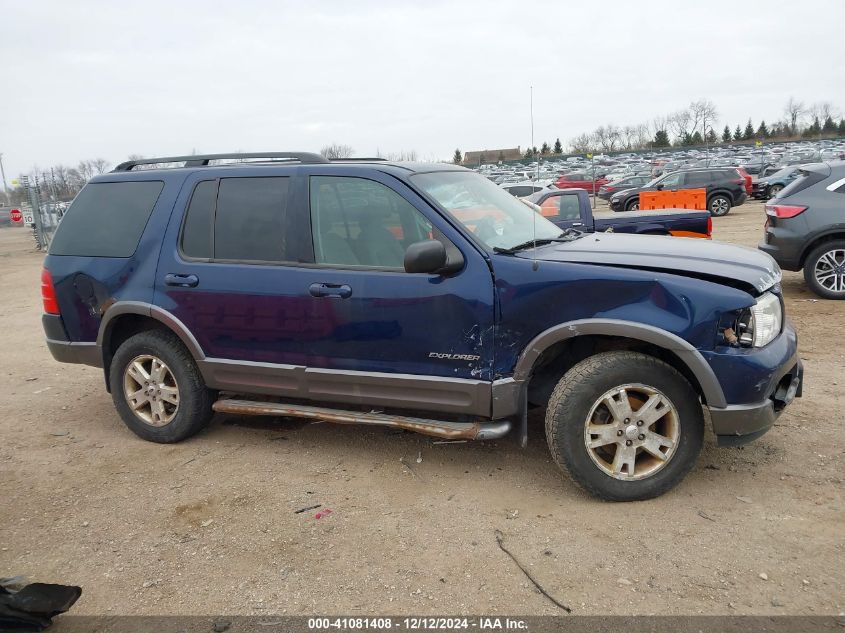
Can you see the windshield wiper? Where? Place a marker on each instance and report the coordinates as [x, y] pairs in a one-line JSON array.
[[567, 236]]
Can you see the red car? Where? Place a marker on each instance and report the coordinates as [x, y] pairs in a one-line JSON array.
[[580, 180]]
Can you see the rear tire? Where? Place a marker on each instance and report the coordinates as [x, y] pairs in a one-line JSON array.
[[595, 436], [719, 205], [824, 270], [157, 388]]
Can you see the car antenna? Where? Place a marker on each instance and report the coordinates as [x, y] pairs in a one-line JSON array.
[[534, 264]]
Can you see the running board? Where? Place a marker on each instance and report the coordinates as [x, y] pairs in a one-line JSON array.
[[436, 428]]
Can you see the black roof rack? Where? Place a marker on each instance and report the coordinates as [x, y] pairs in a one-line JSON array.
[[352, 159], [202, 160]]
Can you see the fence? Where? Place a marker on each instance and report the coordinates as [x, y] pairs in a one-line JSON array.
[[43, 215]]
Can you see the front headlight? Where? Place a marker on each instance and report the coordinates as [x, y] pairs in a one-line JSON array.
[[762, 322]]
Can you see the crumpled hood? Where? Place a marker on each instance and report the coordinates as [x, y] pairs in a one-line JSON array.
[[677, 255]]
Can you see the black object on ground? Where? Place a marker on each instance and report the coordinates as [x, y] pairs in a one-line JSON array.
[[33, 607]]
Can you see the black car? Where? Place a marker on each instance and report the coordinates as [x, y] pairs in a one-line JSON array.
[[805, 228], [770, 186], [725, 189], [614, 186]]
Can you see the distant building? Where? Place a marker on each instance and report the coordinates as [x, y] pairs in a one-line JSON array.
[[492, 156]]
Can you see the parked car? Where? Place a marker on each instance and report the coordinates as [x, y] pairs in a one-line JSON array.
[[580, 180], [571, 209], [725, 189], [805, 227], [526, 187], [418, 296], [770, 186], [608, 189]]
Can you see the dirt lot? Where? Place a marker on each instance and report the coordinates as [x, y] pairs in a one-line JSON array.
[[208, 526]]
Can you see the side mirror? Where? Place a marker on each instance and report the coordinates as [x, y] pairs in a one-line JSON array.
[[428, 256], [659, 187]]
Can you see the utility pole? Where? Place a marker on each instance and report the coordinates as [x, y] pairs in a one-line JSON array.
[[3, 173]]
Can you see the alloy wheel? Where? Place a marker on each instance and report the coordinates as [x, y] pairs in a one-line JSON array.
[[151, 391], [829, 270], [632, 431]]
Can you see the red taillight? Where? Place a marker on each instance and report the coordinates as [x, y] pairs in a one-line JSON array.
[[48, 293], [784, 210], [709, 226]]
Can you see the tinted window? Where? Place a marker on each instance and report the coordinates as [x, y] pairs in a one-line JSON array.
[[698, 178], [249, 222], [106, 219], [197, 233], [359, 222], [520, 191]]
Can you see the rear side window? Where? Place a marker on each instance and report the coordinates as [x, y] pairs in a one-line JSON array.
[[804, 179], [249, 222], [699, 178], [106, 219], [241, 219]]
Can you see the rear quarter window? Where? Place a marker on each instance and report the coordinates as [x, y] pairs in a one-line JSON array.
[[106, 219], [804, 179]]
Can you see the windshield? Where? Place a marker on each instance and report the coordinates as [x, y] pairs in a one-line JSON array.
[[492, 214]]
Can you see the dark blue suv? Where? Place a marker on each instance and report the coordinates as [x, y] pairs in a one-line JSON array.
[[420, 296]]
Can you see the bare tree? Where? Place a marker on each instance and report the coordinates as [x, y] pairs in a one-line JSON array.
[[823, 110], [336, 150], [403, 155], [680, 123], [100, 165], [659, 123], [583, 144], [794, 110], [703, 112]]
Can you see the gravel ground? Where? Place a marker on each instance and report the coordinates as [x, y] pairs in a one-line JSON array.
[[209, 525]]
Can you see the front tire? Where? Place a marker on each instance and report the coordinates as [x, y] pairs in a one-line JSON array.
[[157, 388], [633, 205], [824, 270], [719, 205], [625, 426], [774, 190]]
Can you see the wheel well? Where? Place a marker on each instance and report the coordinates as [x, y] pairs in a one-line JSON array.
[[817, 242], [555, 361], [121, 328], [720, 192]]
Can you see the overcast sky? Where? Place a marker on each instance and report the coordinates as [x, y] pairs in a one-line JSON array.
[[87, 80]]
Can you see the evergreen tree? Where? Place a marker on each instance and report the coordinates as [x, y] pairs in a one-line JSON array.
[[545, 149], [829, 126], [558, 149], [763, 130], [749, 131], [711, 136], [661, 139], [738, 133], [726, 135], [458, 157], [814, 129], [696, 139], [840, 130]]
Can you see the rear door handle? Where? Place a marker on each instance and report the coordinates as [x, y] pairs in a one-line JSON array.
[[181, 281], [330, 290]]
